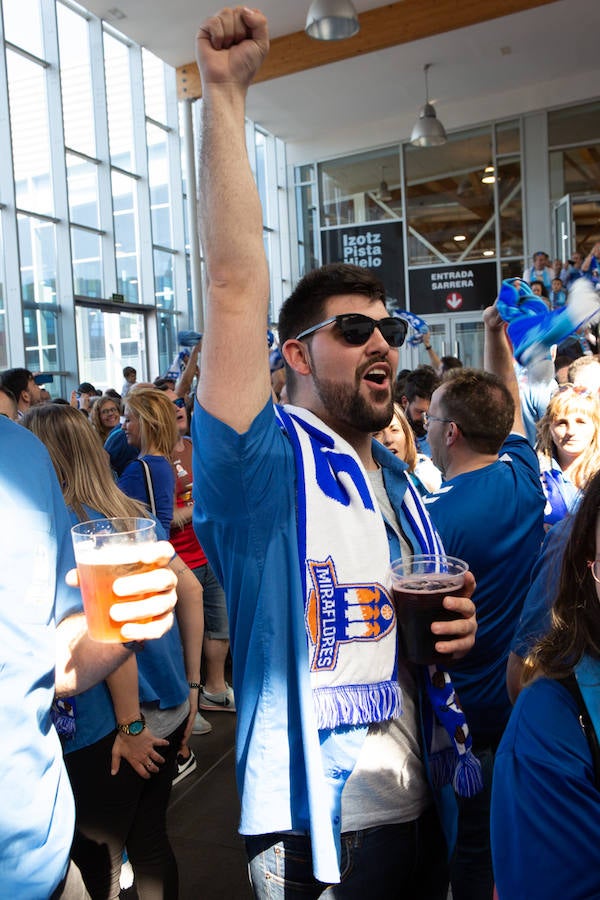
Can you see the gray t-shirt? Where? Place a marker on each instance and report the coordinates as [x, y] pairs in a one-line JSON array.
[[388, 784]]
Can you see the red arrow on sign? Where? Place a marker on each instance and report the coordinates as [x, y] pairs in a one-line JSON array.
[[454, 300]]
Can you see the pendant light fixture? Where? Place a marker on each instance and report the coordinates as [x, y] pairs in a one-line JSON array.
[[489, 175], [331, 20], [428, 130]]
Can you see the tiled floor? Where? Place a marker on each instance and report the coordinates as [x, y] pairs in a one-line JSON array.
[[203, 819]]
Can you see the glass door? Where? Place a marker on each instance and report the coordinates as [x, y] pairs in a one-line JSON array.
[[107, 342], [450, 335], [563, 228]]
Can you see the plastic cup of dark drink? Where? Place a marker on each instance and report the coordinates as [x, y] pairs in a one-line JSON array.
[[419, 585], [106, 549]]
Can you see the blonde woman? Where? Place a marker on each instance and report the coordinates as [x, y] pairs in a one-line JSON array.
[[122, 780], [568, 448], [150, 426]]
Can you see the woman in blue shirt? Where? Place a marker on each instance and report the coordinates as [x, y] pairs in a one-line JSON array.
[[151, 426], [545, 820], [568, 448]]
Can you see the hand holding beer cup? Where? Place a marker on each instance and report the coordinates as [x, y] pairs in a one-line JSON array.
[[127, 590], [436, 617]]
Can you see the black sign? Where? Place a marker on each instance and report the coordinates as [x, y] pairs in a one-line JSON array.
[[456, 287], [377, 247]]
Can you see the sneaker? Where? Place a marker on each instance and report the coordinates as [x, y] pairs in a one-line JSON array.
[[201, 726], [222, 702], [185, 766]]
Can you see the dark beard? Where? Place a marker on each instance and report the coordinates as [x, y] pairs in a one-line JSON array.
[[345, 403], [417, 427]]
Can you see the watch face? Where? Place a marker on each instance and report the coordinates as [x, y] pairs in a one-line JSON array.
[[136, 727]]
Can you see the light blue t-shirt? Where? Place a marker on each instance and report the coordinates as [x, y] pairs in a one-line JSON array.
[[245, 519], [36, 804]]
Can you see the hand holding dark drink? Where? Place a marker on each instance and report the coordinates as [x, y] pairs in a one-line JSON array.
[[419, 586]]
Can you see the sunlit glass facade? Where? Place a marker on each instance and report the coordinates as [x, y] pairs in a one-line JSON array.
[[96, 263]]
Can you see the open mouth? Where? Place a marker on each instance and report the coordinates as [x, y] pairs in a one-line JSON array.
[[378, 375]]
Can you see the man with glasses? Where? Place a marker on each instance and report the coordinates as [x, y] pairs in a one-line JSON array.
[[489, 511], [287, 508]]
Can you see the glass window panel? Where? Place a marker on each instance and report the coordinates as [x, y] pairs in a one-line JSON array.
[[574, 124], [305, 212], [305, 173], [575, 171], [163, 279], [41, 348], [3, 341], [510, 202], [261, 173], [107, 342], [118, 97], [158, 175], [126, 231], [82, 178], [450, 210], [30, 136], [508, 138], [76, 81], [351, 188], [23, 25], [86, 254], [167, 340], [37, 251], [155, 73]]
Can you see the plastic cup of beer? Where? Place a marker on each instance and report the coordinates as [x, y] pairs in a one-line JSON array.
[[419, 585], [106, 549]]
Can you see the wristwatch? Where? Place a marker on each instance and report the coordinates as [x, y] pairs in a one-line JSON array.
[[135, 727]]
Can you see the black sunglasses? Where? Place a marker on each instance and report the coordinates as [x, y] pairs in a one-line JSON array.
[[356, 329], [180, 402]]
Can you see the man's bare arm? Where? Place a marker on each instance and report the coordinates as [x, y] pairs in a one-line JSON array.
[[234, 382], [498, 359]]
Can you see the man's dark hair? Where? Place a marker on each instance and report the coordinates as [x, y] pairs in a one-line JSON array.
[[450, 362], [481, 406], [305, 306], [421, 382], [164, 384], [129, 370], [16, 380]]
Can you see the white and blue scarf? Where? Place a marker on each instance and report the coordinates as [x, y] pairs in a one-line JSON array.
[[349, 614]]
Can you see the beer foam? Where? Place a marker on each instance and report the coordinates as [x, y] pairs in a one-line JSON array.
[[88, 554], [429, 584]]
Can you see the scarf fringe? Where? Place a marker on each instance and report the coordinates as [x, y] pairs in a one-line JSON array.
[[357, 704], [442, 766], [468, 779]]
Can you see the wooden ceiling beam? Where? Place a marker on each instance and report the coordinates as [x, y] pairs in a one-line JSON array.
[[386, 26]]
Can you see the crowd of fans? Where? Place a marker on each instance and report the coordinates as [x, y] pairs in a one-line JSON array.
[[349, 757]]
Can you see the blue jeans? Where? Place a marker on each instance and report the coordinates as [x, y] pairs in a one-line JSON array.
[[401, 861]]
